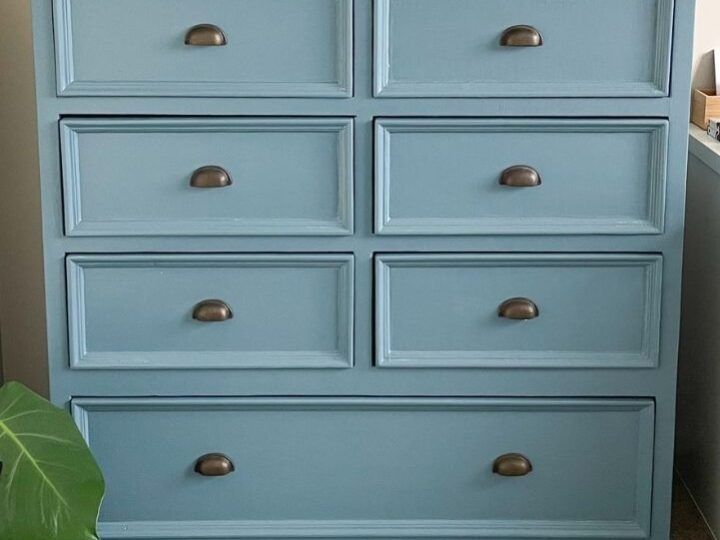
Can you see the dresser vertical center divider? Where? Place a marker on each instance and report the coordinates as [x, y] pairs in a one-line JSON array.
[[367, 269]]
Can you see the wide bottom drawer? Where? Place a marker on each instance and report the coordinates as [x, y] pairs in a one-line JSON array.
[[372, 467]]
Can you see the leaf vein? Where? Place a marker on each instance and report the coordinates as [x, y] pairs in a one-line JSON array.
[[20, 415], [12, 404], [44, 436], [24, 452]]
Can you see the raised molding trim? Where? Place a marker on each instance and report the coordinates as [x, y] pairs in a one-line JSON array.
[[658, 86], [76, 225], [384, 529], [69, 86], [82, 359], [647, 357], [654, 222], [376, 529]]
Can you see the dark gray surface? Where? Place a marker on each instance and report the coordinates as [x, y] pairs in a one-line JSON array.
[[687, 522]]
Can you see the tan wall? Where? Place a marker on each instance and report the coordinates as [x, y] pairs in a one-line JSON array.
[[707, 38], [22, 309]]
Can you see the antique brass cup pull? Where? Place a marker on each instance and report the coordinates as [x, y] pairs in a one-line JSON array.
[[212, 311], [210, 177], [512, 465], [521, 35], [518, 309], [520, 176], [214, 465], [205, 35]]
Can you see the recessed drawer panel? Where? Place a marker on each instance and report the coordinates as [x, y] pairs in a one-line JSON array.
[[210, 311], [480, 176], [258, 48], [372, 467], [518, 311], [230, 176], [552, 48]]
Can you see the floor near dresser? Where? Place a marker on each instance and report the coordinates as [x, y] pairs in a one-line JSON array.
[[687, 523]]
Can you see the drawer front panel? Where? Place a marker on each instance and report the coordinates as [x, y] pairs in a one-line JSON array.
[[594, 176], [135, 176], [574, 311], [281, 48], [153, 311], [372, 467], [453, 48]]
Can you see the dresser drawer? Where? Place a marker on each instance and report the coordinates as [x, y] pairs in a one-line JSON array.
[[210, 311], [227, 176], [552, 48], [259, 48], [372, 467], [518, 311], [489, 176]]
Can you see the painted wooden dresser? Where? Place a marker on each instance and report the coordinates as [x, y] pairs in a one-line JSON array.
[[353, 269]]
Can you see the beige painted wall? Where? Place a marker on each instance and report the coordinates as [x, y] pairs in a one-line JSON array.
[[22, 310], [707, 38]]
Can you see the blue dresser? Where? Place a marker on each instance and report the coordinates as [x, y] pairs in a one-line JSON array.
[[356, 269]]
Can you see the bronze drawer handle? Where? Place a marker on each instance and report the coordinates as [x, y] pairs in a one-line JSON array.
[[214, 465], [212, 311], [520, 176], [519, 309], [521, 35], [210, 177], [205, 35], [512, 465]]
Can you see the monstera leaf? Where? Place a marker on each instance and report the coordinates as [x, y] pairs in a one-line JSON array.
[[50, 485]]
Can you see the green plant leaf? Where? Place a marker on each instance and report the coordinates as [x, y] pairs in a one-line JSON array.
[[50, 486]]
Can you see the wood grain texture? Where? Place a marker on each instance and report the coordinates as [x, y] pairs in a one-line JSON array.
[[705, 106]]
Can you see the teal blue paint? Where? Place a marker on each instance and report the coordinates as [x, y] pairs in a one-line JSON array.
[[276, 48], [580, 194], [593, 49], [455, 322], [289, 311], [290, 176], [322, 466], [336, 190]]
